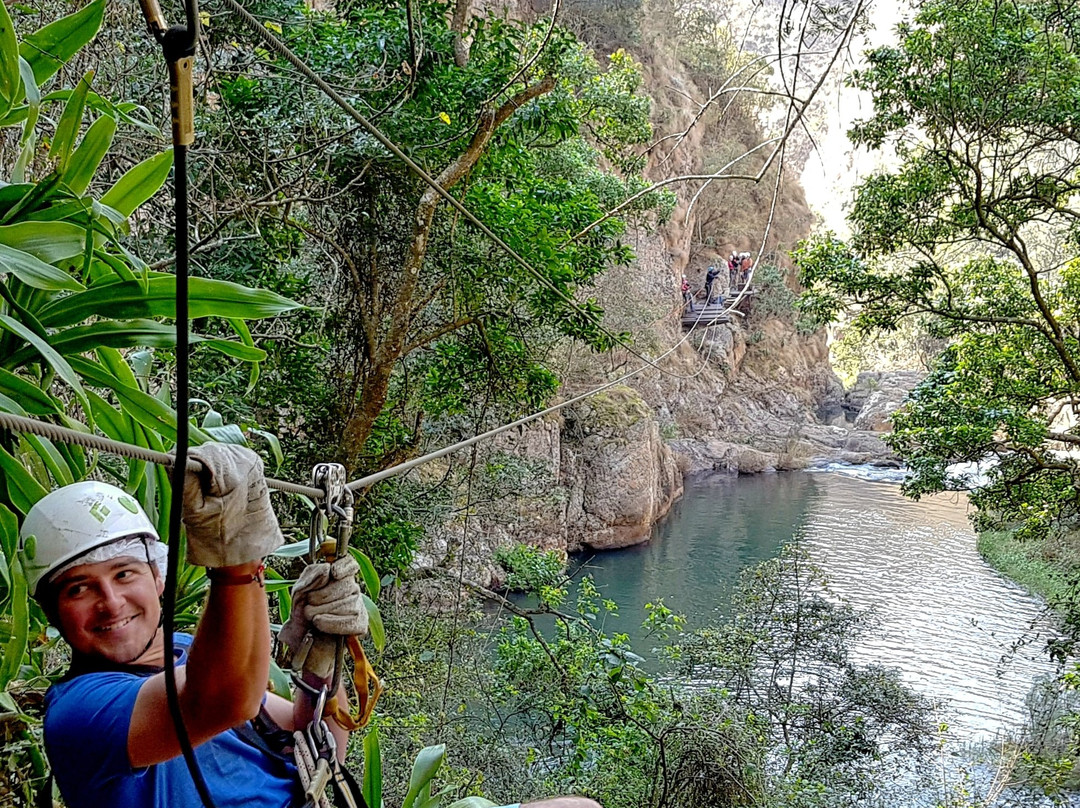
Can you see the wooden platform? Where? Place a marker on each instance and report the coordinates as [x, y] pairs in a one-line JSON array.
[[711, 315], [715, 313]]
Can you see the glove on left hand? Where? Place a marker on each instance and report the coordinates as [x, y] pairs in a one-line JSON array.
[[326, 603]]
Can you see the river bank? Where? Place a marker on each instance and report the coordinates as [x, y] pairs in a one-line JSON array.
[[1047, 567]]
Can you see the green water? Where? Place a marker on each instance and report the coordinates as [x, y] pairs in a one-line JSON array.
[[946, 619], [722, 525]]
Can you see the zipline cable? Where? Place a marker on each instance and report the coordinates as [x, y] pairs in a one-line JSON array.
[[55, 432]]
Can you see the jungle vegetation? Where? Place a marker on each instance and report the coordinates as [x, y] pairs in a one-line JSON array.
[[342, 312]]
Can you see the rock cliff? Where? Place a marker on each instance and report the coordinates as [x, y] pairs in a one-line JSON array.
[[753, 395]]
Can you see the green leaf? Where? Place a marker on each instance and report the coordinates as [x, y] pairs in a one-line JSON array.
[[294, 550], [70, 122], [280, 683], [275, 444], [242, 331], [9, 533], [127, 299], [284, 597], [83, 164], [367, 572], [49, 48], [52, 459], [19, 607], [54, 360], [34, 272], [28, 142], [118, 365], [425, 767], [23, 490], [372, 787], [35, 192], [139, 183], [48, 241], [473, 802], [33, 101], [35, 400], [110, 420], [237, 350], [9, 60], [145, 409], [228, 433], [375, 623], [118, 334]]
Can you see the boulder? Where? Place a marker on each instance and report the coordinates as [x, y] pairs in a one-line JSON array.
[[619, 475], [877, 395]]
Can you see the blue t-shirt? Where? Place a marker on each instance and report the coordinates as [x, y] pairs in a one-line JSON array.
[[86, 731]]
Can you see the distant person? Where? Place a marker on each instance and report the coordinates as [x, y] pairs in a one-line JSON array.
[[745, 265], [687, 295], [733, 270], [710, 281]]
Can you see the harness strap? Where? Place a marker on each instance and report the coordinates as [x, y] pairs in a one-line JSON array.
[[367, 686]]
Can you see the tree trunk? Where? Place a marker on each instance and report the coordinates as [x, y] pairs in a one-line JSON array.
[[392, 344]]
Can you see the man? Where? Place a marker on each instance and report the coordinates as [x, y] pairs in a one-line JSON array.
[[96, 566], [745, 265], [710, 280]]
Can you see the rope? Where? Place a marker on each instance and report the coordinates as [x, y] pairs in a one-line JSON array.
[[55, 432]]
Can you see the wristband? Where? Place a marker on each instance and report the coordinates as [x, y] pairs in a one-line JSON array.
[[223, 578]]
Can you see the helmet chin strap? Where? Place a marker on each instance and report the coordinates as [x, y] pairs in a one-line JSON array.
[[150, 642], [161, 611]]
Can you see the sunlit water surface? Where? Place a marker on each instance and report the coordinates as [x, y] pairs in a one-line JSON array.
[[948, 621]]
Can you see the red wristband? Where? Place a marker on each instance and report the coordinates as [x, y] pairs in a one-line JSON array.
[[223, 578]]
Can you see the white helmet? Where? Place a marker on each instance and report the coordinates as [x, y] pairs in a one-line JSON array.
[[69, 523]]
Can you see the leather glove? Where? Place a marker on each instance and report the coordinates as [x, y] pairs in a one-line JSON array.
[[227, 508], [326, 603]]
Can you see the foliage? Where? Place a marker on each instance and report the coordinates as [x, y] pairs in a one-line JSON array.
[[824, 720], [972, 237], [530, 569], [777, 713], [419, 300], [775, 298]]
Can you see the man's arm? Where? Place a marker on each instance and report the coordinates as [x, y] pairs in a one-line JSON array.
[[222, 684], [290, 715]]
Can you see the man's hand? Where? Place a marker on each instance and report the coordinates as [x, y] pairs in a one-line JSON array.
[[227, 508], [326, 604]]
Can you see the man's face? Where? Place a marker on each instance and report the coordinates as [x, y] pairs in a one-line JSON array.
[[109, 609]]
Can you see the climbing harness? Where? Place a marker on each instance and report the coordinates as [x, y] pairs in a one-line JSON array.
[[314, 747]]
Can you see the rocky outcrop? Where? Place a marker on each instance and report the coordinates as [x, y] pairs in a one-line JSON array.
[[877, 395], [619, 475], [597, 474], [739, 397]]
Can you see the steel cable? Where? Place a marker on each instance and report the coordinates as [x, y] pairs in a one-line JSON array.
[[55, 432]]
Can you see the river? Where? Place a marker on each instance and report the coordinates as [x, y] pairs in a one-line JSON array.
[[948, 621]]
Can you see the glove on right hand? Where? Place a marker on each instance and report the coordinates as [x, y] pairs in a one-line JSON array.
[[227, 508], [326, 602]]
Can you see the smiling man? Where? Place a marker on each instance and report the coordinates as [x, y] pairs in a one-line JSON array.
[[96, 566]]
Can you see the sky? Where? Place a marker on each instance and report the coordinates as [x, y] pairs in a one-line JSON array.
[[831, 173]]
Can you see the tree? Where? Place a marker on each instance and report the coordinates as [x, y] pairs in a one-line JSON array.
[[974, 236], [427, 316]]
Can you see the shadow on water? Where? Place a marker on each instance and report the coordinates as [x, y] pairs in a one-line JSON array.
[[721, 526]]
